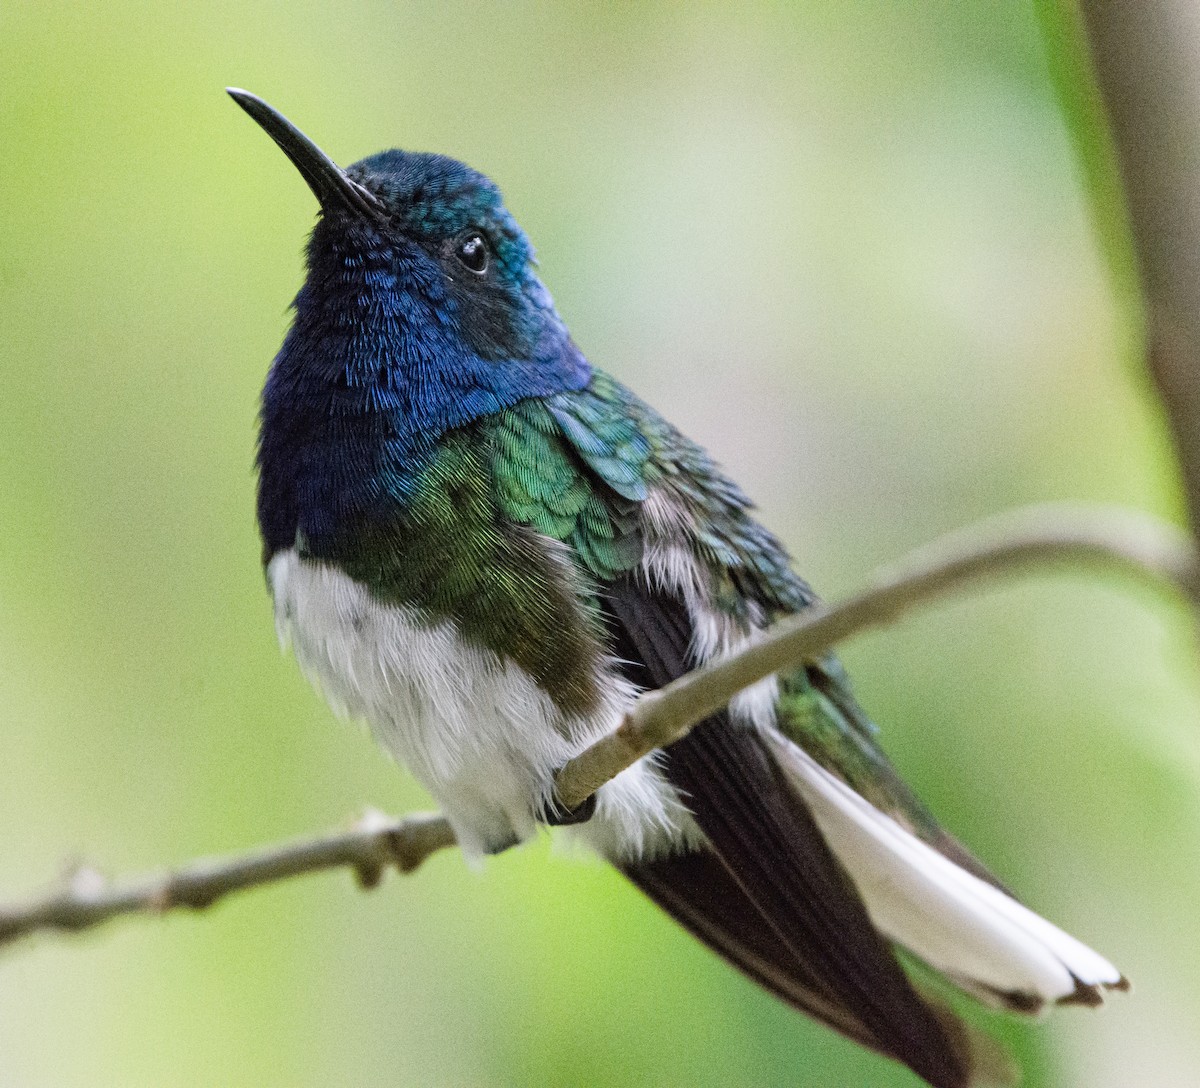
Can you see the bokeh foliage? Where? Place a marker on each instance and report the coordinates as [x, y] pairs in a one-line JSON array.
[[848, 245]]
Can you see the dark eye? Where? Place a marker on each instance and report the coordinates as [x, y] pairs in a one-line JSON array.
[[472, 251]]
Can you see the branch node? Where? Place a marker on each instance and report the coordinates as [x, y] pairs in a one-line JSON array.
[[194, 896], [368, 875], [378, 852], [400, 851], [162, 899], [404, 847]]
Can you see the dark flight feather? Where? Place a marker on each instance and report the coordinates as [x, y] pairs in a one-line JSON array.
[[771, 897]]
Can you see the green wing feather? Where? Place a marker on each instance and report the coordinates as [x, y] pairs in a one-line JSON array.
[[541, 480], [577, 467]]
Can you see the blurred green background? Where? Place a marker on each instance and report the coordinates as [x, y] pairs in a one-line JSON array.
[[846, 245]]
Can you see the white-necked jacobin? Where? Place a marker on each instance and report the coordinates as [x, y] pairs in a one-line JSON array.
[[487, 548]]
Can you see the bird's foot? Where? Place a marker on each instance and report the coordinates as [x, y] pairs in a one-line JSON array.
[[556, 815]]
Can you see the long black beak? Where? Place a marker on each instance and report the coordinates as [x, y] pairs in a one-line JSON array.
[[325, 178]]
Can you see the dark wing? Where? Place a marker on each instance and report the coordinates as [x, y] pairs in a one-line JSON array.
[[626, 450], [770, 896]]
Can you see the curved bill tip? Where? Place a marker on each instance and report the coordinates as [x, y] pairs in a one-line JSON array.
[[325, 178]]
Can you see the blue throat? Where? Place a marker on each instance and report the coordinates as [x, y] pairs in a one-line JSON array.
[[381, 361]]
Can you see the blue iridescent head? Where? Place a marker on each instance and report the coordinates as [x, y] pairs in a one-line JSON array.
[[448, 232], [415, 264], [422, 312]]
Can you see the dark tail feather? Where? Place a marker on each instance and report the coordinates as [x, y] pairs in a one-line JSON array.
[[698, 892], [810, 921], [771, 896]]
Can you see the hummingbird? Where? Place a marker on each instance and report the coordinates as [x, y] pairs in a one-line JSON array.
[[487, 548]]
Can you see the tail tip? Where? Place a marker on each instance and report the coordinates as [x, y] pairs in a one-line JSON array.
[[1091, 994]]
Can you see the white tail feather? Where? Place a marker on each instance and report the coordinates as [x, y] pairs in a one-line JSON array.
[[983, 940]]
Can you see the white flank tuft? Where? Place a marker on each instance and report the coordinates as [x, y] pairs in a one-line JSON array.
[[475, 730]]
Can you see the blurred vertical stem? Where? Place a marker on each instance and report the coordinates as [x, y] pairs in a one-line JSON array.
[[1127, 78]]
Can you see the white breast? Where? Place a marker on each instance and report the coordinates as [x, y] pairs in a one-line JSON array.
[[474, 729]]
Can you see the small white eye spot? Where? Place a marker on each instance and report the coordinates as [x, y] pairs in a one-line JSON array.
[[472, 252]]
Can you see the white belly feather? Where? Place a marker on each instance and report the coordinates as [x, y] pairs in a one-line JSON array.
[[475, 730]]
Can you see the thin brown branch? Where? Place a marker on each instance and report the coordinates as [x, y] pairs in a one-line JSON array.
[[369, 848], [1034, 537], [1027, 539]]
